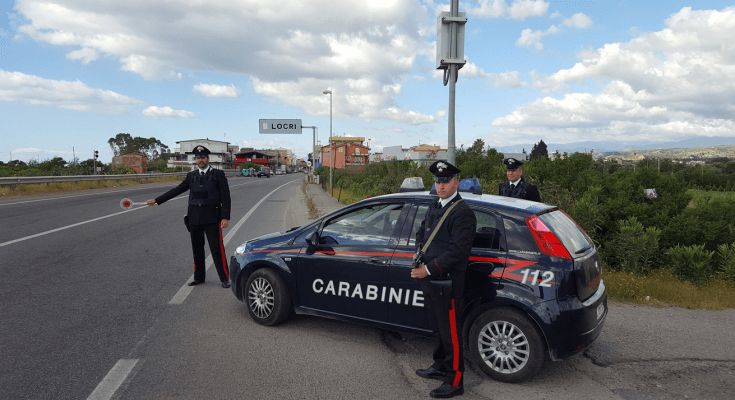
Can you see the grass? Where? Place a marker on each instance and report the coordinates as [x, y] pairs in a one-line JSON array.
[[663, 289], [345, 197], [60, 187], [703, 196], [313, 211]]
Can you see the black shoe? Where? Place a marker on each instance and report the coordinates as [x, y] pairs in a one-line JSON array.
[[195, 282], [446, 391], [431, 373], [226, 284]]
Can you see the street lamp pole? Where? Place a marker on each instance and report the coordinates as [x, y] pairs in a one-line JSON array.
[[331, 149]]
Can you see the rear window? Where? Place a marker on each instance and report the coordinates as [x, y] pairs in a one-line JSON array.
[[571, 236]]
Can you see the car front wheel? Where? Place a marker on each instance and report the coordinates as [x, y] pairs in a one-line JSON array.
[[267, 298], [507, 345]]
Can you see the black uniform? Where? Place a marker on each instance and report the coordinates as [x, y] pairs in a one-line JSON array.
[[446, 258], [524, 190], [209, 204]]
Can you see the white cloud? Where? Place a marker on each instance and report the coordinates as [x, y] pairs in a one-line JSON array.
[[672, 84], [166, 112], [85, 54], [278, 43], [522, 9], [533, 38], [361, 98], [519, 9], [212, 90], [503, 79], [29, 89], [579, 21]]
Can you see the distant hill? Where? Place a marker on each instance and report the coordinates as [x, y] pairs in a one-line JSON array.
[[620, 147]]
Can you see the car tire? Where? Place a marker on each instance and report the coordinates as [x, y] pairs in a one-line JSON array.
[[267, 298], [506, 344]]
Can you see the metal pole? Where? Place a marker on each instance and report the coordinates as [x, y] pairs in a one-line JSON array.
[[331, 145], [451, 147], [453, 70]]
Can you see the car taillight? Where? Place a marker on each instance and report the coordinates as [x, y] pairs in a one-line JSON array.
[[547, 242]]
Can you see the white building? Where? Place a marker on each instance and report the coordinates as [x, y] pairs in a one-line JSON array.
[[220, 153]]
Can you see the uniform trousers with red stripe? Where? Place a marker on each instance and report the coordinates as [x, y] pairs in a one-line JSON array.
[[447, 327], [216, 247]]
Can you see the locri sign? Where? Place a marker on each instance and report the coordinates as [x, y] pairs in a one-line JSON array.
[[292, 126]]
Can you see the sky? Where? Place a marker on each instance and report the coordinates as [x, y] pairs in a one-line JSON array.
[[75, 73]]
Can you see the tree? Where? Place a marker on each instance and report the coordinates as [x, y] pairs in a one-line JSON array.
[[124, 143], [539, 150]]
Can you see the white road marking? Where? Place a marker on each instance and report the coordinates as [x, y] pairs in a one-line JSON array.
[[77, 224], [181, 295], [91, 194], [113, 380]]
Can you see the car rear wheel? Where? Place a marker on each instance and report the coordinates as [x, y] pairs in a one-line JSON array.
[[267, 298], [507, 345]]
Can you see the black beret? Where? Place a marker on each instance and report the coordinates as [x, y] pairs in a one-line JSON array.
[[512, 163], [443, 171], [201, 151]]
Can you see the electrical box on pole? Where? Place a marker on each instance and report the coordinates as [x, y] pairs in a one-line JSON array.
[[449, 49]]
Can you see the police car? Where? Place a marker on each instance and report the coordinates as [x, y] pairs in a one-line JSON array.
[[533, 289]]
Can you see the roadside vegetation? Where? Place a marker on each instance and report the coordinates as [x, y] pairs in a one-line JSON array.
[[59, 187], [677, 249]]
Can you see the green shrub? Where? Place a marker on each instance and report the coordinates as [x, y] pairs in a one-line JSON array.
[[635, 247], [709, 224], [726, 260], [693, 263], [586, 212]]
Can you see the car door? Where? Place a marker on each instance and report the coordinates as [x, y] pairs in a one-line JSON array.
[[489, 254], [410, 311], [484, 269], [347, 271]]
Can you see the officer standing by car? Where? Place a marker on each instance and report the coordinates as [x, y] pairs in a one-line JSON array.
[[208, 214], [516, 186], [445, 260]]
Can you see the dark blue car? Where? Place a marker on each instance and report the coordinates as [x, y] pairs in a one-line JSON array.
[[533, 286]]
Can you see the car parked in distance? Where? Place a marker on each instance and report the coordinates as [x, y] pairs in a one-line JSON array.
[[264, 171], [533, 287]]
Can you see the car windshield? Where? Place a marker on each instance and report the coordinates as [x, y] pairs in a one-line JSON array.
[[570, 234]]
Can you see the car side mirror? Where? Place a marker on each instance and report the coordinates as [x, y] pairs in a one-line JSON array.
[[313, 239]]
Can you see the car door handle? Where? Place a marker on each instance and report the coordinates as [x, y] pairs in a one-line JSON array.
[[377, 260]]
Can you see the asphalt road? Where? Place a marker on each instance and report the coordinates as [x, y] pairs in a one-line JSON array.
[[100, 310]]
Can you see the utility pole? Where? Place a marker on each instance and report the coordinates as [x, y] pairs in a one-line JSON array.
[[450, 58]]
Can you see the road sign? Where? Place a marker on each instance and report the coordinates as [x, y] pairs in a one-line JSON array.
[[308, 163], [292, 126]]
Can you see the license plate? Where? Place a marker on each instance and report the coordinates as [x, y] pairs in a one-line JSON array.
[[600, 310]]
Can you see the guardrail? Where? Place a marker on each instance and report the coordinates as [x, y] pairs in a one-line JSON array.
[[20, 180]]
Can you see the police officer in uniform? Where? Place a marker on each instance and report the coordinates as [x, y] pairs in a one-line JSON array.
[[209, 213], [446, 259], [516, 186]]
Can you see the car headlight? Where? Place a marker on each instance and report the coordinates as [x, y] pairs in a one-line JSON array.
[[241, 249]]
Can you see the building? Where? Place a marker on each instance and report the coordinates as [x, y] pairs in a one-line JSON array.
[[137, 161], [425, 152], [349, 152], [518, 156], [221, 153], [285, 157], [265, 158]]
